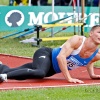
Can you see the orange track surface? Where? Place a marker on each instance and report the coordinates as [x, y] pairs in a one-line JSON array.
[[53, 81]]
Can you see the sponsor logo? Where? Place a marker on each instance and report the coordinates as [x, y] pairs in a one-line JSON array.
[[14, 18], [42, 57]]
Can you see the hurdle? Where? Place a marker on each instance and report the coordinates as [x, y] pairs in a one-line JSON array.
[[55, 38], [31, 30], [25, 30], [52, 22], [38, 39], [57, 25]]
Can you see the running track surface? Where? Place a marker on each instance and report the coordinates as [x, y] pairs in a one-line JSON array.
[[53, 81]]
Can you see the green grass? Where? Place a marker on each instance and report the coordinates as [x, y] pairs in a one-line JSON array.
[[14, 47], [4, 2], [50, 1], [67, 93]]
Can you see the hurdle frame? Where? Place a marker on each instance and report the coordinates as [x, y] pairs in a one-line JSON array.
[[38, 39]]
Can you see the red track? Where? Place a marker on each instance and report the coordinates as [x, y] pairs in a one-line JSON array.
[[54, 81]]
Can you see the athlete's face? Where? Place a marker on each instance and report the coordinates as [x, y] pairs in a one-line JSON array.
[[95, 35]]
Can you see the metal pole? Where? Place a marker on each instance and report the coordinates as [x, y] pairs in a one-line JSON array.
[[70, 2], [78, 5], [38, 2], [52, 30], [38, 37], [11, 2], [74, 11], [29, 3], [82, 4]]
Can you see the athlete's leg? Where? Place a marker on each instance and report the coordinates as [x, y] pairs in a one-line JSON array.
[[29, 73], [27, 65], [3, 68], [38, 69]]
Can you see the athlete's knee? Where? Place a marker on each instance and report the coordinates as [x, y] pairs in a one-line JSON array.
[[42, 74], [38, 73], [3, 68]]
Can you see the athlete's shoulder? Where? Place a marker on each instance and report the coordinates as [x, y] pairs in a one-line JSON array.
[[78, 37], [75, 39]]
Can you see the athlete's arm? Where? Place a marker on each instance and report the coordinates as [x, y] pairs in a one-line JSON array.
[[66, 50], [90, 69]]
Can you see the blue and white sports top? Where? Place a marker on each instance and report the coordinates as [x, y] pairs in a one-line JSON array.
[[74, 60]]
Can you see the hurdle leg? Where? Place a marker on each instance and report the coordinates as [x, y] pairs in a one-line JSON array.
[[82, 29], [38, 27]]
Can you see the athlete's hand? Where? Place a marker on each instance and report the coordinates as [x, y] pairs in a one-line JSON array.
[[95, 76], [74, 80]]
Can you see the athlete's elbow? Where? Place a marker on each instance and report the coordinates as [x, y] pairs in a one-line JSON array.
[[59, 57]]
